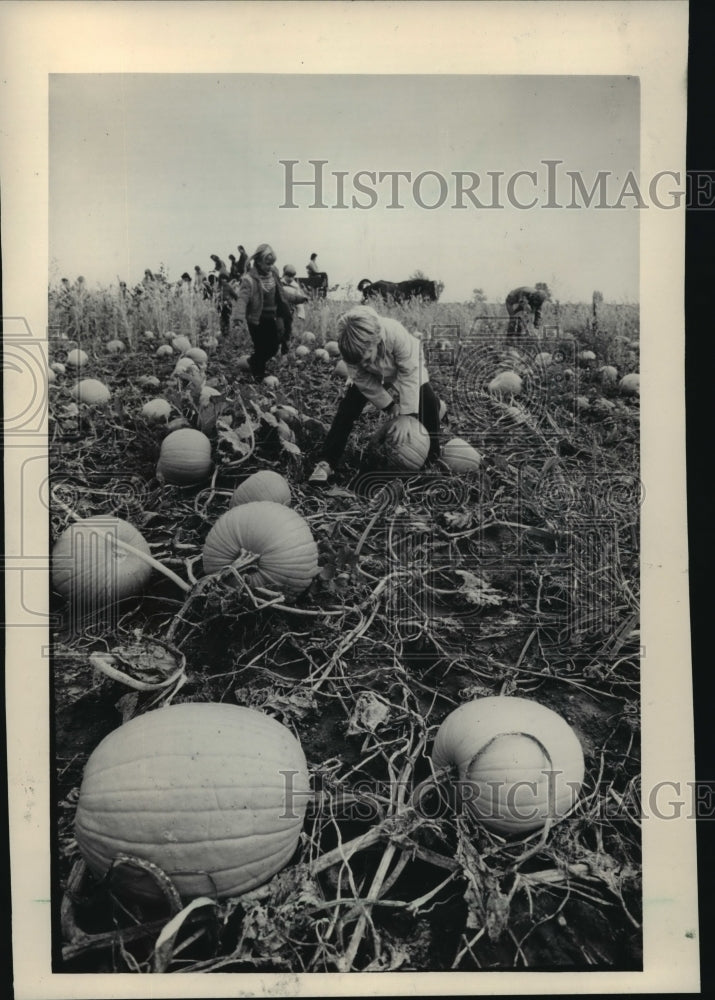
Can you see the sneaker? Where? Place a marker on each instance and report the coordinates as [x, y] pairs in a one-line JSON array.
[[321, 473]]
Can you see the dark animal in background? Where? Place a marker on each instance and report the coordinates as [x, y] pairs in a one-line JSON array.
[[315, 285], [400, 291]]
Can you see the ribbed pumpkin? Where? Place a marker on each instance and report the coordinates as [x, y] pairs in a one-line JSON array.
[[181, 344], [91, 391], [302, 351], [164, 350], [506, 383], [198, 355], [460, 456], [320, 354], [185, 367], [288, 554], [608, 373], [287, 413], [185, 457], [411, 452], [77, 358], [308, 337], [213, 794], [156, 409], [263, 485], [90, 570], [331, 346], [543, 359], [586, 357], [630, 385], [517, 762], [116, 347]]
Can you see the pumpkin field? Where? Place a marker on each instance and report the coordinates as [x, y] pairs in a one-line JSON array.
[[387, 723]]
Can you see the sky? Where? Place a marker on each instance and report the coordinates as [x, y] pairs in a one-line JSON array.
[[152, 169]]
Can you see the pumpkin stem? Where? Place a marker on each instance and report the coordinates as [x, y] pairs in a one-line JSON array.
[[168, 573], [145, 557]]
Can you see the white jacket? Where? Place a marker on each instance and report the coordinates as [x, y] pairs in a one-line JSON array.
[[400, 363]]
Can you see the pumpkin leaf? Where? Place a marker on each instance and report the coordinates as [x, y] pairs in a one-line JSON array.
[[338, 491], [230, 440], [477, 591], [295, 705], [127, 706], [370, 712], [142, 666], [497, 915], [290, 447], [458, 519]]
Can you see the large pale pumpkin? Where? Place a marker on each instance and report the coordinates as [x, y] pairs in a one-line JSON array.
[[213, 794], [263, 485], [281, 537], [92, 392], [91, 571], [506, 383], [517, 762], [77, 358], [185, 457]]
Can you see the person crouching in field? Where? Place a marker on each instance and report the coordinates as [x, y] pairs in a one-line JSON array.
[[262, 306], [524, 306], [379, 353]]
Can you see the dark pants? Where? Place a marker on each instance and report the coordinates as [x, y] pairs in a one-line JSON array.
[[266, 336], [352, 405], [225, 318]]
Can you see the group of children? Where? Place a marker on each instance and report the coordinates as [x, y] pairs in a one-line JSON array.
[[380, 354]]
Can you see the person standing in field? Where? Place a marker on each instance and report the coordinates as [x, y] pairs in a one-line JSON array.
[[261, 306], [219, 266], [379, 353], [294, 294], [313, 269], [226, 297], [199, 278], [242, 261], [233, 271], [524, 307]]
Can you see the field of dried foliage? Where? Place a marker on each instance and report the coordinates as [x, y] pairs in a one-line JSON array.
[[434, 588]]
